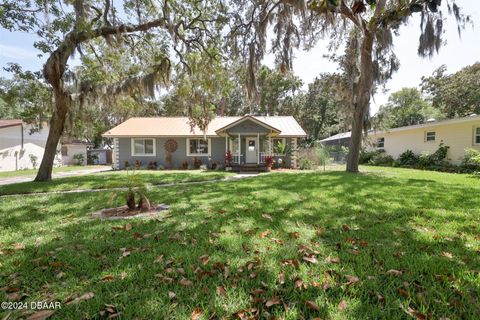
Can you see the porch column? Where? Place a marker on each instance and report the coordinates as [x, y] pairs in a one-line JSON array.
[[295, 152], [226, 143], [270, 144], [258, 148], [239, 149]]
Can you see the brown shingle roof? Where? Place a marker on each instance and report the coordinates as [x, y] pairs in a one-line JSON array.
[[10, 123], [180, 127]]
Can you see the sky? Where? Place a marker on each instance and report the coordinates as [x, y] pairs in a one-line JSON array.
[[455, 54]]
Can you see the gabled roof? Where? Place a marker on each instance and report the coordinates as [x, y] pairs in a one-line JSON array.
[[180, 127], [4, 123], [338, 136], [251, 118]]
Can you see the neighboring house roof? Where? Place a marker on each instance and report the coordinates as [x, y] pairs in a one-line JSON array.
[[343, 135], [180, 127], [10, 123]]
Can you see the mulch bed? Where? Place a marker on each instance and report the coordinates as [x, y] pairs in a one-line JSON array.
[[124, 213]]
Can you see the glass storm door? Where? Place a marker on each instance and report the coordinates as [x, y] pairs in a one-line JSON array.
[[251, 150]]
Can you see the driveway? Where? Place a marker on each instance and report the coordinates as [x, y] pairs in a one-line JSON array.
[[80, 172]]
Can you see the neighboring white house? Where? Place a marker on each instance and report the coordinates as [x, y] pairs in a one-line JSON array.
[[74, 152], [459, 134], [21, 147]]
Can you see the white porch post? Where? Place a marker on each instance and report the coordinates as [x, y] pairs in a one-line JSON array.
[[226, 143], [258, 148], [295, 152], [270, 144], [239, 148]]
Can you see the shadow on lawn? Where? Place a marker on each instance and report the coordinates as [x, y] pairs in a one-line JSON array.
[[397, 221]]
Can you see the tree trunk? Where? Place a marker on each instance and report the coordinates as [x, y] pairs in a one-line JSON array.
[[361, 103], [57, 123]]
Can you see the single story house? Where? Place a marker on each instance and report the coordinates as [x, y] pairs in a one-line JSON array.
[[74, 152], [340, 139], [172, 141], [22, 147], [459, 134]]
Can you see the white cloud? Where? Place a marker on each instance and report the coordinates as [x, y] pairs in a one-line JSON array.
[[13, 52]]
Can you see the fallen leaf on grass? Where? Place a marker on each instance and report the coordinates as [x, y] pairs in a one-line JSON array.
[[295, 235], [403, 292], [264, 234], [221, 291], [204, 259], [110, 312], [447, 255], [83, 297], [107, 278], [332, 260], [298, 283], [346, 227], [128, 227], [171, 295], [351, 280], [185, 282], [342, 305], [273, 301], [19, 246], [267, 216], [281, 277], [197, 313], [394, 272], [159, 259], [312, 306], [311, 259], [41, 315], [414, 313]]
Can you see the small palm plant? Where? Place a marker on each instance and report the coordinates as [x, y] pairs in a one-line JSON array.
[[134, 187]]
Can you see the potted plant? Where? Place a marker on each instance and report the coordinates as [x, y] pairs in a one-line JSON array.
[[268, 162], [228, 160]]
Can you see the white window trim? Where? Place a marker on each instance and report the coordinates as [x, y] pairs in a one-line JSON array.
[[475, 135], [143, 154], [430, 141], [378, 141], [199, 154]]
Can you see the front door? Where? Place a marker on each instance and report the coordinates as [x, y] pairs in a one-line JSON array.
[[251, 150]]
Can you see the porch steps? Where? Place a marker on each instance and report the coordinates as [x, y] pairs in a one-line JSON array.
[[250, 168]]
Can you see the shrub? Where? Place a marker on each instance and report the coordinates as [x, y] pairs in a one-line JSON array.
[[471, 160], [126, 164], [306, 164], [408, 158], [366, 156], [196, 163], [33, 160], [79, 158], [185, 164], [268, 161], [138, 164], [152, 165], [381, 159], [228, 158]]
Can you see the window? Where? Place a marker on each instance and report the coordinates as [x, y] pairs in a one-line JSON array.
[[64, 151], [251, 145], [477, 135], [430, 136], [143, 147], [234, 145], [198, 147], [380, 143]]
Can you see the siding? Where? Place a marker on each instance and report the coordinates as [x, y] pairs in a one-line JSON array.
[[457, 136], [217, 152], [248, 126]]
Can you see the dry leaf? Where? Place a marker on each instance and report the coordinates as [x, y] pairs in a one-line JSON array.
[[281, 277], [197, 313], [342, 305], [86, 296], [185, 282], [41, 315], [332, 260], [447, 255], [351, 280], [159, 259], [107, 278], [346, 227], [272, 301], [311, 259], [221, 291], [267, 216], [128, 227], [204, 259], [295, 235], [298, 283], [312, 306], [264, 234], [403, 292], [394, 272], [171, 295], [123, 275], [19, 246]]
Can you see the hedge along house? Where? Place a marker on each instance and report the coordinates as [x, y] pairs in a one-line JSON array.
[[172, 141]]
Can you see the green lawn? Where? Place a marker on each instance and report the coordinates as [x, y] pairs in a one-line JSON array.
[[33, 172], [378, 245], [114, 179]]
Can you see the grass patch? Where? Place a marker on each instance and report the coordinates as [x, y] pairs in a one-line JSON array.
[[105, 180], [234, 241], [33, 172]]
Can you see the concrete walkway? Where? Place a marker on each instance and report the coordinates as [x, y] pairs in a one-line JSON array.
[[80, 172]]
